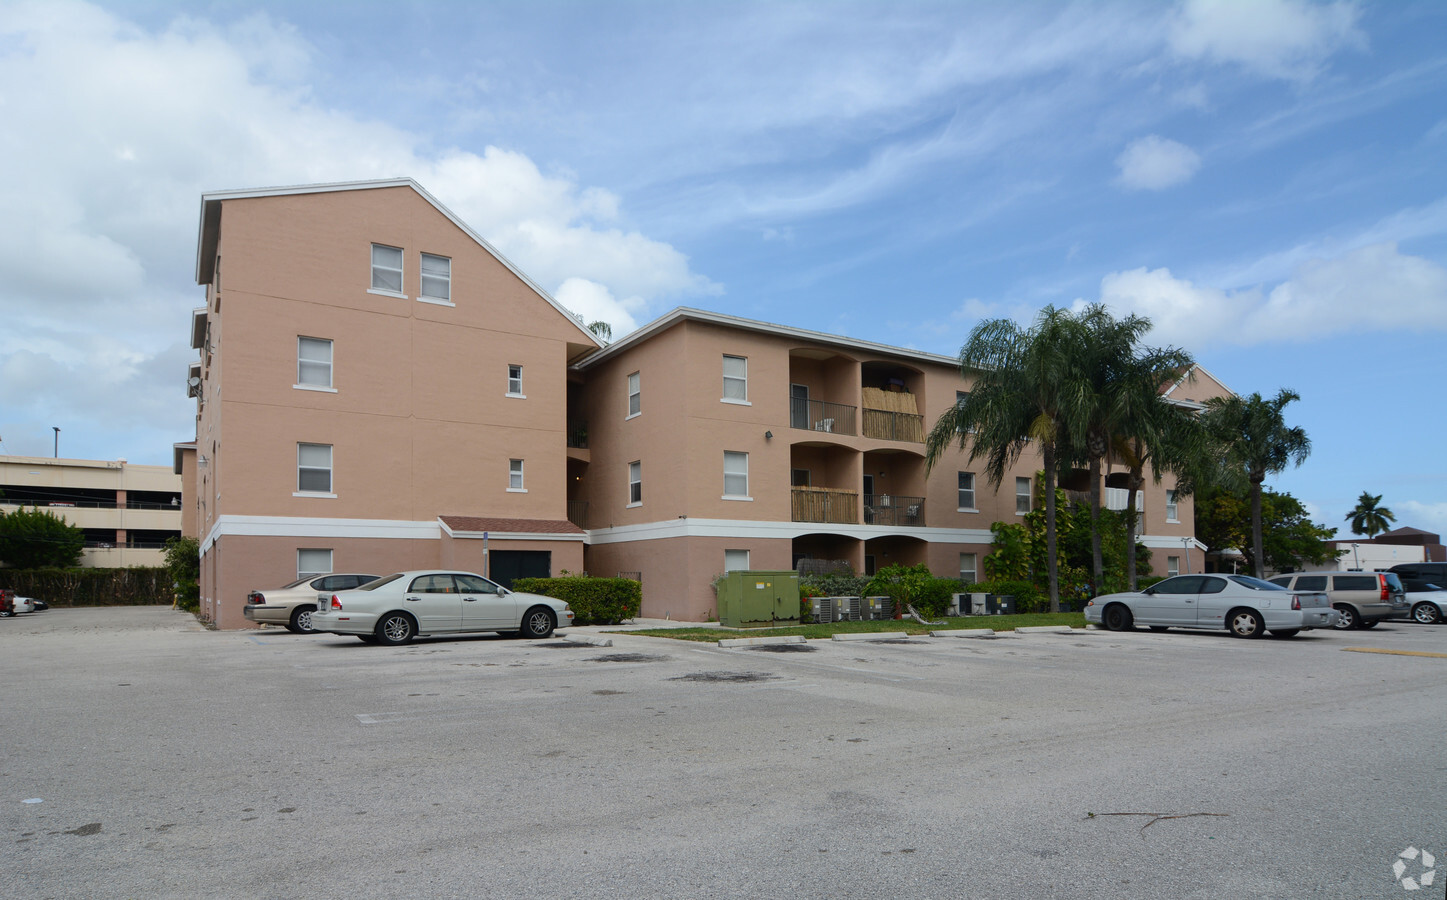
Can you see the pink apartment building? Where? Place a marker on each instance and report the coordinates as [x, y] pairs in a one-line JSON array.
[[378, 389]]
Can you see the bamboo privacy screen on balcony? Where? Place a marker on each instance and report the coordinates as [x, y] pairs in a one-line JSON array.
[[892, 416], [833, 505]]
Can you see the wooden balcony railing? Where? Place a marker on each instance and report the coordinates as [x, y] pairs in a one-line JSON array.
[[831, 505], [893, 426]]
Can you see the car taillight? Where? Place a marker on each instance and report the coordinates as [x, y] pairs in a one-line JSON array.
[[1295, 602], [1386, 592], [336, 602], [255, 597]]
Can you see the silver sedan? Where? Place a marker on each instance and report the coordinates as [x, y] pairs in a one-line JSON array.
[[1242, 605], [399, 607]]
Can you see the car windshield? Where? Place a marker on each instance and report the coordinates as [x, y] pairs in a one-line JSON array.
[[373, 585], [1255, 584]]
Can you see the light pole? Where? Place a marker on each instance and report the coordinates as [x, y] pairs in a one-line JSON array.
[[56, 429], [1186, 550], [1356, 563]]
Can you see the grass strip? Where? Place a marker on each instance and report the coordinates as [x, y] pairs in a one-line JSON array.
[[897, 626]]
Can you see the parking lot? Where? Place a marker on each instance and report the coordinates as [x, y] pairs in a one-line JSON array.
[[147, 757]]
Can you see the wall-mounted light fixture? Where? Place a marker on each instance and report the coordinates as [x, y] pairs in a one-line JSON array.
[[768, 435]]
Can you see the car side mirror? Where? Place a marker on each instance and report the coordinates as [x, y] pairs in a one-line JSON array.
[[1150, 592], [502, 591]]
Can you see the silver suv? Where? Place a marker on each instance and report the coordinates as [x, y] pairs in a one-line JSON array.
[[1362, 598]]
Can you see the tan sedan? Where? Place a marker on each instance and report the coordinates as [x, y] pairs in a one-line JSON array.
[[294, 604]]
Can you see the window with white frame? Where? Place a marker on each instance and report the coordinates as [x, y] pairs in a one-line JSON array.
[[1022, 496], [960, 398], [436, 278], [635, 396], [967, 490], [735, 379], [736, 560], [969, 571], [515, 381], [515, 475], [311, 563], [635, 483], [1172, 508], [1173, 566], [736, 474], [387, 269], [314, 468], [313, 362]]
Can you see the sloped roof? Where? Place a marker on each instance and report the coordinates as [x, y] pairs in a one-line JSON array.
[[479, 524]]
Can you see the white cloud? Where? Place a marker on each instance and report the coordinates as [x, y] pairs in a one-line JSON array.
[[594, 302], [1426, 516], [1374, 288], [1288, 39], [1153, 163]]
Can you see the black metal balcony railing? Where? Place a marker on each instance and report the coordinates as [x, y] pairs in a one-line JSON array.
[[893, 426], [891, 509], [578, 512], [831, 505], [820, 415], [578, 434]]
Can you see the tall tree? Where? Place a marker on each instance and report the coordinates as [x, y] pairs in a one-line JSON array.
[[1369, 518], [1254, 441], [1223, 519], [1027, 388]]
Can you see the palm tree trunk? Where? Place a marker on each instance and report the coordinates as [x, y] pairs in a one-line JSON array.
[[1260, 562], [1050, 566], [1133, 482], [1096, 562]]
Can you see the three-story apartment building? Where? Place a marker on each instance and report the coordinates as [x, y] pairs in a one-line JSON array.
[[378, 389]]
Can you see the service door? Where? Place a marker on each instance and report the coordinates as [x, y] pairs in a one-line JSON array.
[[506, 566]]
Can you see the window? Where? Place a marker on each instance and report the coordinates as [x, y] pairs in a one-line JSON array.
[[310, 563], [736, 475], [967, 490], [1171, 507], [735, 560], [515, 475], [313, 362], [314, 468], [635, 397], [515, 381], [960, 398], [1022, 496], [1173, 566], [635, 483], [969, 571], [735, 379], [799, 477], [436, 278], [387, 269]]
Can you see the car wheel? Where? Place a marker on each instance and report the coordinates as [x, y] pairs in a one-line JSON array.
[[1348, 620], [301, 620], [538, 623], [1286, 632], [396, 629], [1427, 613], [1117, 618], [1246, 623]]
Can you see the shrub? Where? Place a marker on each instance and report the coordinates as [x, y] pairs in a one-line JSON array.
[[136, 586], [594, 601], [37, 538], [838, 584]]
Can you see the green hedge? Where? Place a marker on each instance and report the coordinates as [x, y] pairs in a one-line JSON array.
[[138, 586], [594, 601]]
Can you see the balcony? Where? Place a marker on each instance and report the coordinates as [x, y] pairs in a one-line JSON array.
[[820, 415], [893, 426], [830, 505], [578, 434], [578, 513], [891, 509]]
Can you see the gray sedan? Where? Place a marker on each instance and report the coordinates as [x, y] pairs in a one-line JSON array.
[[1242, 605]]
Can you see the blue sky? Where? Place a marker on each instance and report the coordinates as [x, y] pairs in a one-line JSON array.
[[1263, 178]]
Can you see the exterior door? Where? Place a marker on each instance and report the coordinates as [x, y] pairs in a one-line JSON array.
[[484, 608], [506, 566], [1171, 602], [799, 406], [434, 601]]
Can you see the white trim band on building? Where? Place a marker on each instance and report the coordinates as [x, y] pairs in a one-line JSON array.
[[298, 526]]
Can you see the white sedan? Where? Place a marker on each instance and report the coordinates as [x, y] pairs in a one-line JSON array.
[[1242, 605], [1428, 607], [399, 607]]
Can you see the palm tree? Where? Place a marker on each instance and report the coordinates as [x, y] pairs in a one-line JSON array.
[[1254, 441], [1027, 387], [1368, 518]]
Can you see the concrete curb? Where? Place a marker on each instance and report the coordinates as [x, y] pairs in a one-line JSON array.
[[965, 633], [1045, 629], [873, 636], [762, 641], [591, 640]]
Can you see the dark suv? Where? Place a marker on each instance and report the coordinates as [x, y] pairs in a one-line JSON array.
[[1418, 576]]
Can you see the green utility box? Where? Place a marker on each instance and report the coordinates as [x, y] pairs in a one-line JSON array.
[[758, 599]]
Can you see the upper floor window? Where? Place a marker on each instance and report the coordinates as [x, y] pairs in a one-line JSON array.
[[635, 395], [635, 483], [515, 475], [1172, 509], [961, 397], [314, 468], [313, 362], [967, 490], [735, 379], [387, 269], [1022, 496], [310, 563], [515, 381], [736, 475], [436, 278]]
